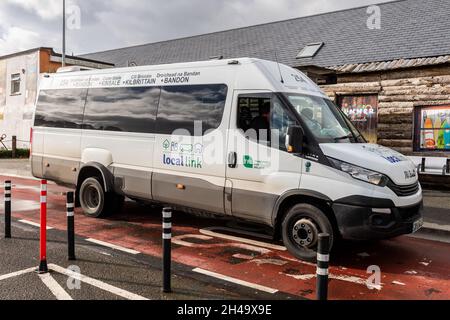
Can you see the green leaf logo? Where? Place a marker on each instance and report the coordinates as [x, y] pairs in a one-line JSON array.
[[248, 162], [166, 144]]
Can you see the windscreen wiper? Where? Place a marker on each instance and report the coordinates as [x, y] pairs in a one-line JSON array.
[[349, 136]]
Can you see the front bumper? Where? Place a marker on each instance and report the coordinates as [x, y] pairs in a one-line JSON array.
[[363, 220]]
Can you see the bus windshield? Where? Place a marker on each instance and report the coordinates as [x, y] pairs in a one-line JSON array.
[[324, 119]]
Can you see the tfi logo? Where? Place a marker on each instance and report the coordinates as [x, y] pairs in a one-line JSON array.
[[298, 78], [410, 174]]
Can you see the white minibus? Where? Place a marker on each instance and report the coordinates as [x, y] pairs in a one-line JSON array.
[[245, 138]]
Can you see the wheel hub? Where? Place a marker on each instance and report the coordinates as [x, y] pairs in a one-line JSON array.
[[305, 233]]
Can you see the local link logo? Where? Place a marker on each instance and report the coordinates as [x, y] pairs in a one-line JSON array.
[[182, 161]]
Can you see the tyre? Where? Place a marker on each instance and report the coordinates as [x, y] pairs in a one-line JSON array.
[[95, 202], [301, 227]]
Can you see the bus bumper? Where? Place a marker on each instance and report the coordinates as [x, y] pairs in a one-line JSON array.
[[357, 222]]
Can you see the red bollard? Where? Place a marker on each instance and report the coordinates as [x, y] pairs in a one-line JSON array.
[[43, 236]]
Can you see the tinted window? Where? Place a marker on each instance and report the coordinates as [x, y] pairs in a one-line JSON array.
[[121, 109], [60, 108], [180, 106]]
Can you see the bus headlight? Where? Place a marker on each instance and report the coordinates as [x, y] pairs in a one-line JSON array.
[[360, 173]]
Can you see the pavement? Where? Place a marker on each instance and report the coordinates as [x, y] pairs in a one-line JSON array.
[[213, 258]]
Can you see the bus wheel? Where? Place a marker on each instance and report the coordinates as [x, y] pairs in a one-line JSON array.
[[301, 228], [93, 198]]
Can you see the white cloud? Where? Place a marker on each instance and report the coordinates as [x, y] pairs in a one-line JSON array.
[[46, 9], [18, 39]]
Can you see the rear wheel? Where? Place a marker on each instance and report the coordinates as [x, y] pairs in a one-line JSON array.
[[301, 228], [95, 202]]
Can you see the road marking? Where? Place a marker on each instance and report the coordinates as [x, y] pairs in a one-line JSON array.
[[352, 279], [17, 273], [113, 246], [276, 262], [209, 232], [97, 283], [54, 287], [234, 280], [34, 224]]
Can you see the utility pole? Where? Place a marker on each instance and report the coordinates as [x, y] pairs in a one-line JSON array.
[[63, 63]]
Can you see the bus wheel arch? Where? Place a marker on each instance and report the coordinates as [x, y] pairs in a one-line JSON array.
[[315, 200], [94, 177]]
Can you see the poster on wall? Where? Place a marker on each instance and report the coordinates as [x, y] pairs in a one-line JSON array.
[[433, 131], [363, 112]]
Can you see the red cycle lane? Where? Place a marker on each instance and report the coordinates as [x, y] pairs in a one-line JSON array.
[[410, 268]]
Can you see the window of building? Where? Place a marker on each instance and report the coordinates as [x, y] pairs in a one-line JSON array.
[[15, 83], [310, 50], [362, 110], [60, 108], [182, 107], [121, 109], [432, 128]]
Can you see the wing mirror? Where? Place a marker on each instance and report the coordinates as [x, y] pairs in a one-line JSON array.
[[294, 139]]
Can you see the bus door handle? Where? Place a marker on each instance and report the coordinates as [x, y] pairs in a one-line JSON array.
[[232, 160]]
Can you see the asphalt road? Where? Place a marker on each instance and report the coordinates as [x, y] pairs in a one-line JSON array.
[[132, 276], [213, 258]]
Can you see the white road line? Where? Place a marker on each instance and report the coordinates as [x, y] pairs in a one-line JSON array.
[[54, 287], [17, 273], [34, 224], [234, 280], [113, 246], [209, 232], [97, 283]]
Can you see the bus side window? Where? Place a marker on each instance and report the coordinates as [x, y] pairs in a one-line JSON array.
[[280, 121], [254, 118]]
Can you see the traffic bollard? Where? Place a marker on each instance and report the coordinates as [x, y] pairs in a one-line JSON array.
[[323, 258], [70, 226], [43, 232], [8, 209], [167, 243]]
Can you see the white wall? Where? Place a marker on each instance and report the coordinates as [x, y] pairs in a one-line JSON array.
[[17, 109]]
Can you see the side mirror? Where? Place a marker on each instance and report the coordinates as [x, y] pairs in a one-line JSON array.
[[294, 139]]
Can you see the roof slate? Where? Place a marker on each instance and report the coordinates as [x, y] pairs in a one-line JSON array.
[[409, 29]]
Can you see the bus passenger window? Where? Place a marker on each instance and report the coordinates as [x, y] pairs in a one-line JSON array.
[[264, 120], [254, 118]]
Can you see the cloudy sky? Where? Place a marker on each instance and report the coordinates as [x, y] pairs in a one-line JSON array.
[[109, 24]]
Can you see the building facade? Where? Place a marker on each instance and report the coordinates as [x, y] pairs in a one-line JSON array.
[[405, 107], [19, 80]]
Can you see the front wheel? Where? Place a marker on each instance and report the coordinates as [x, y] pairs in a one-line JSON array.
[[301, 228]]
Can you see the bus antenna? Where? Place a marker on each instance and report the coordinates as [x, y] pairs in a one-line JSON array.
[[279, 69]]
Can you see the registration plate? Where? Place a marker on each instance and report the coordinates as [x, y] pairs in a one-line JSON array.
[[417, 225]]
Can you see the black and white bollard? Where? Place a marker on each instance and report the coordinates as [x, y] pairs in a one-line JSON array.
[[323, 259], [167, 244], [8, 209], [71, 226]]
